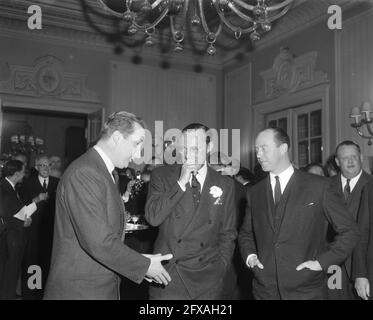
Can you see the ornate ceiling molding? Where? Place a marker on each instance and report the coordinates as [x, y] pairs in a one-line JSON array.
[[290, 74], [48, 79]]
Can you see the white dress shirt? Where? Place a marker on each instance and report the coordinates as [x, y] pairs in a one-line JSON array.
[[353, 181], [108, 163], [26, 211], [284, 178], [201, 177], [41, 180]]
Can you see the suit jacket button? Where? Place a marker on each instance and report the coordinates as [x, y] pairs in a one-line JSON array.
[[178, 241], [202, 244]]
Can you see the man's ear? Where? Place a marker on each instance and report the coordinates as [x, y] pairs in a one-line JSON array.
[[284, 147], [210, 146], [337, 162], [116, 136]]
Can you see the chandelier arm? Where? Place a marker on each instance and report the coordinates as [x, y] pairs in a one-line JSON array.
[[156, 3], [155, 23], [204, 22], [369, 129], [244, 5], [279, 15], [280, 5], [228, 24], [361, 134], [271, 8], [239, 13], [183, 18]]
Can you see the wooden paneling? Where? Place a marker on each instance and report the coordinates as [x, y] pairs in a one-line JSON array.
[[237, 113], [355, 49], [175, 97]]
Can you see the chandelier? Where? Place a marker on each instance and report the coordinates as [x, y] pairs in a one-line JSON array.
[[142, 19], [363, 117]]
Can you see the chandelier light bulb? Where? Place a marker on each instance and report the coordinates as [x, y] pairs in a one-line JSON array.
[[255, 36], [211, 50], [132, 30], [127, 16], [149, 41], [146, 7], [195, 21], [266, 26], [178, 47]]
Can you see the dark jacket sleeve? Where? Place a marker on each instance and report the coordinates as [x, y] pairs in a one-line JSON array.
[[347, 232], [10, 206], [228, 230], [161, 200], [365, 214], [246, 239], [88, 215]]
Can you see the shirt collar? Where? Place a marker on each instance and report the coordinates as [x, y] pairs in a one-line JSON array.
[[108, 163], [11, 183], [284, 176], [353, 181], [202, 172], [41, 179]]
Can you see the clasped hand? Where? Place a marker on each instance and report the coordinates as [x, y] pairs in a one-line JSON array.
[[156, 271]]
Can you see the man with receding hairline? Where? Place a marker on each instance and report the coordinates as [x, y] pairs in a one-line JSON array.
[[283, 237]]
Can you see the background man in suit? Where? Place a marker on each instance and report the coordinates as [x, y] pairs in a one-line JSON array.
[[39, 237], [362, 260], [88, 249], [283, 237], [350, 183], [194, 207], [17, 216]]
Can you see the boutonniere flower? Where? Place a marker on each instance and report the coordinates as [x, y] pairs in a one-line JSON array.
[[216, 193]]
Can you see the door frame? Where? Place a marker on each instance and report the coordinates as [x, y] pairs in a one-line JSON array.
[[15, 102], [291, 100]]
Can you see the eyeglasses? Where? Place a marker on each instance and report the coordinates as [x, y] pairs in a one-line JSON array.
[[43, 165]]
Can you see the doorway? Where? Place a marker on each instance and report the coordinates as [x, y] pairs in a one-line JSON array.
[[63, 133]]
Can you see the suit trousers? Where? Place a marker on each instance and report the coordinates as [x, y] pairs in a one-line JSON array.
[[12, 268]]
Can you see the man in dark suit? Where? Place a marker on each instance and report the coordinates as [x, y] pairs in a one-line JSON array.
[[350, 183], [17, 216], [194, 207], [283, 237], [88, 249], [362, 259], [39, 237]]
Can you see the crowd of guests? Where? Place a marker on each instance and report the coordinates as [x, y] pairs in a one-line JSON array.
[[243, 255], [27, 221]]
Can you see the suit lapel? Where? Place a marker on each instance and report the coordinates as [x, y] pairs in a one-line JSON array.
[[268, 194], [113, 188], [204, 201], [281, 209]]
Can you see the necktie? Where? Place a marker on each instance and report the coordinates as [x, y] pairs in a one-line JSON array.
[[116, 178], [347, 189], [45, 185], [277, 190], [196, 190]]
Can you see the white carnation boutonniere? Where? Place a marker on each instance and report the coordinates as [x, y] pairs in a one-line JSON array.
[[216, 193]]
